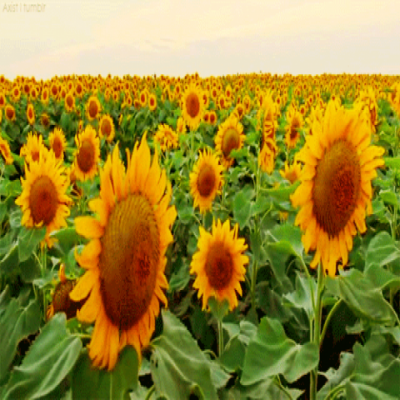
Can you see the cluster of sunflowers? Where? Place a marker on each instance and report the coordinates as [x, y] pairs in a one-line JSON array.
[[76, 129]]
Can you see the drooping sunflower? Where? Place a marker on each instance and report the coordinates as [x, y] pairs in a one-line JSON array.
[[219, 264], [9, 113], [229, 137], [43, 199], [335, 188], [206, 180], [125, 258], [30, 114], [192, 106], [33, 148], [294, 123], [166, 137], [87, 154], [107, 128], [58, 143], [6, 151], [266, 158], [93, 108]]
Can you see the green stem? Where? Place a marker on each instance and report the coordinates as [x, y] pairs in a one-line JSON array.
[[284, 390], [333, 393], [220, 338], [150, 392], [317, 331], [328, 319], [253, 284]]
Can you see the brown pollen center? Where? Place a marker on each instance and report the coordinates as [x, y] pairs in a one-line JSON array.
[[337, 187], [219, 266], [230, 141], [43, 200], [85, 156], [193, 105], [206, 180], [129, 261]]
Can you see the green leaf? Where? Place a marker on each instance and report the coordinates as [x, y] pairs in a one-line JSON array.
[[3, 211], [392, 162], [91, 383], [301, 297], [28, 241], [280, 355], [241, 209], [389, 197], [382, 250], [67, 239], [49, 360], [17, 322], [11, 260], [364, 299], [291, 235], [382, 278], [178, 366]]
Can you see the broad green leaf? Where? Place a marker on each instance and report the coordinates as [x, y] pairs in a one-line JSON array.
[[241, 209], [178, 365], [49, 360], [92, 383], [291, 235], [271, 353], [389, 197], [233, 356], [392, 162], [301, 297], [10, 261], [382, 278], [28, 241], [382, 250], [67, 238], [364, 299], [17, 322], [3, 211]]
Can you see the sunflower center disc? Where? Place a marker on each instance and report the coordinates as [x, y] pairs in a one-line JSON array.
[[337, 187], [106, 127], [293, 128], [193, 105], [93, 109], [43, 200], [230, 141], [57, 147], [129, 261], [206, 180], [219, 266], [85, 156], [69, 101]]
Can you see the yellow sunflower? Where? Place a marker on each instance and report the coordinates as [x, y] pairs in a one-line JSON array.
[[125, 258], [6, 151], [93, 108], [166, 137], [33, 148], [219, 264], [9, 113], [335, 185], [2, 100], [152, 102], [106, 128], [43, 200], [45, 120], [45, 96], [58, 143], [266, 158], [206, 180], [69, 102], [229, 137], [291, 172], [30, 114], [180, 126], [192, 106], [87, 154], [294, 124]]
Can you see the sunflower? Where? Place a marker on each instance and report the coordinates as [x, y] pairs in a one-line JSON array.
[[192, 107], [45, 120], [166, 137], [30, 114], [180, 126], [9, 113], [69, 102], [125, 258], [93, 108], [106, 128], [2, 100], [152, 102], [43, 200], [335, 185], [143, 96], [294, 124], [229, 137], [6, 151], [213, 117], [206, 180], [291, 172], [33, 148], [219, 264], [58, 143], [266, 158], [45, 96], [61, 301], [87, 154]]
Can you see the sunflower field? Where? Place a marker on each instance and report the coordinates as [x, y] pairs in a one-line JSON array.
[[232, 237]]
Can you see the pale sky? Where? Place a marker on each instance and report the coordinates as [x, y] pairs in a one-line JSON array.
[[211, 37]]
